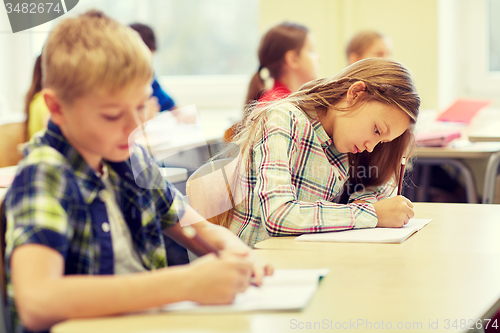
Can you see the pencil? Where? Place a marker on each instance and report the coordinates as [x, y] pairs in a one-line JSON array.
[[401, 174]]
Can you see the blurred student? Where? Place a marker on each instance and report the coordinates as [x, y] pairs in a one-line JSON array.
[[37, 113], [164, 100], [287, 60], [85, 204], [286, 55], [368, 44], [298, 153]]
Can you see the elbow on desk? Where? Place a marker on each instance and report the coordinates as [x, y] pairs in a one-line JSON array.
[[35, 311], [275, 229]]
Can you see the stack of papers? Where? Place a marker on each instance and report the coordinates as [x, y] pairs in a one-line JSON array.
[[436, 139], [370, 235], [287, 289]]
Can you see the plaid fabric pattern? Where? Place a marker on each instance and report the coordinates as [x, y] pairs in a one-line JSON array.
[[54, 201], [294, 176]]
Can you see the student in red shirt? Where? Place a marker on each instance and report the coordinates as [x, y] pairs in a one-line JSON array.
[[287, 55], [287, 60]]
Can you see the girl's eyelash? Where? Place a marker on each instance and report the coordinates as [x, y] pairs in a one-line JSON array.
[[377, 131], [111, 118]]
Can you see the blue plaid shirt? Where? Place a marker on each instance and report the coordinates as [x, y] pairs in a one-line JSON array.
[[54, 201]]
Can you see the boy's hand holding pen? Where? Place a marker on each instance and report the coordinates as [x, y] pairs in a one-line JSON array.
[[258, 270]]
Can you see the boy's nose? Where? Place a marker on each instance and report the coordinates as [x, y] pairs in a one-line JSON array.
[[133, 121]]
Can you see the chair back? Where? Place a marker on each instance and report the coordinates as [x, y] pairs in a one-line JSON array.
[[209, 188], [11, 135], [4, 309]]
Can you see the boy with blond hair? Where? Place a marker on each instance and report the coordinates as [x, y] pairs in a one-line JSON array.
[[79, 212]]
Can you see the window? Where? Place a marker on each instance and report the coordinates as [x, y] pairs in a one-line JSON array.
[[481, 47], [194, 37], [494, 35], [206, 49]]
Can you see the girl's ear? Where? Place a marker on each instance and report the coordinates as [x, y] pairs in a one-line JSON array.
[[353, 57], [291, 59], [356, 90], [54, 105]]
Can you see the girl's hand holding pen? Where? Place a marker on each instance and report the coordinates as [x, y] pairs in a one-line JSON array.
[[393, 212]]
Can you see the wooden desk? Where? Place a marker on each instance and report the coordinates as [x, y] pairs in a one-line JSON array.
[[448, 270]]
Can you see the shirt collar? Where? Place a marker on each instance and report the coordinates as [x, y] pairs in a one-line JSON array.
[[320, 132], [278, 85]]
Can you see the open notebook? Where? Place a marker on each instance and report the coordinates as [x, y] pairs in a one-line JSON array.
[[287, 289], [370, 235]]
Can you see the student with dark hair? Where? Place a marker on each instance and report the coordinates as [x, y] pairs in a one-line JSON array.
[[287, 55], [148, 36]]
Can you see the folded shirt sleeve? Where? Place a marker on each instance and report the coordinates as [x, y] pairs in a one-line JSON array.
[[374, 194], [36, 209]]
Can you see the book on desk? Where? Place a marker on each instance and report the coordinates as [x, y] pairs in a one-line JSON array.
[[285, 290], [368, 235]]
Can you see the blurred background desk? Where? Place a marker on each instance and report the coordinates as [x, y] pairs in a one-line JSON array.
[[489, 133], [467, 157], [454, 156]]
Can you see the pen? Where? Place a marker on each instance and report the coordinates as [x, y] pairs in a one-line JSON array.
[[191, 233], [401, 174]]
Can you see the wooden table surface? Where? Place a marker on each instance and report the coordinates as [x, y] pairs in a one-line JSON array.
[[449, 270]]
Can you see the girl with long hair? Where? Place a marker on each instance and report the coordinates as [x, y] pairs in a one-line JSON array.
[[344, 135]]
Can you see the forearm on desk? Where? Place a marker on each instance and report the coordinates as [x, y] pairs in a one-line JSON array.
[[218, 236], [44, 296]]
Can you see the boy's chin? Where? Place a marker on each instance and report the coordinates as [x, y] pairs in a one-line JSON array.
[[118, 157]]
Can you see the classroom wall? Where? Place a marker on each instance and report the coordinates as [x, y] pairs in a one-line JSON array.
[[412, 25]]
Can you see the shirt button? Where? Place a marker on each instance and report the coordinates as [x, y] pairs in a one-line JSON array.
[[340, 178], [105, 227]]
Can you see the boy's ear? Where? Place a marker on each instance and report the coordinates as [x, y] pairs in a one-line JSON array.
[[54, 105], [292, 59], [355, 91]]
